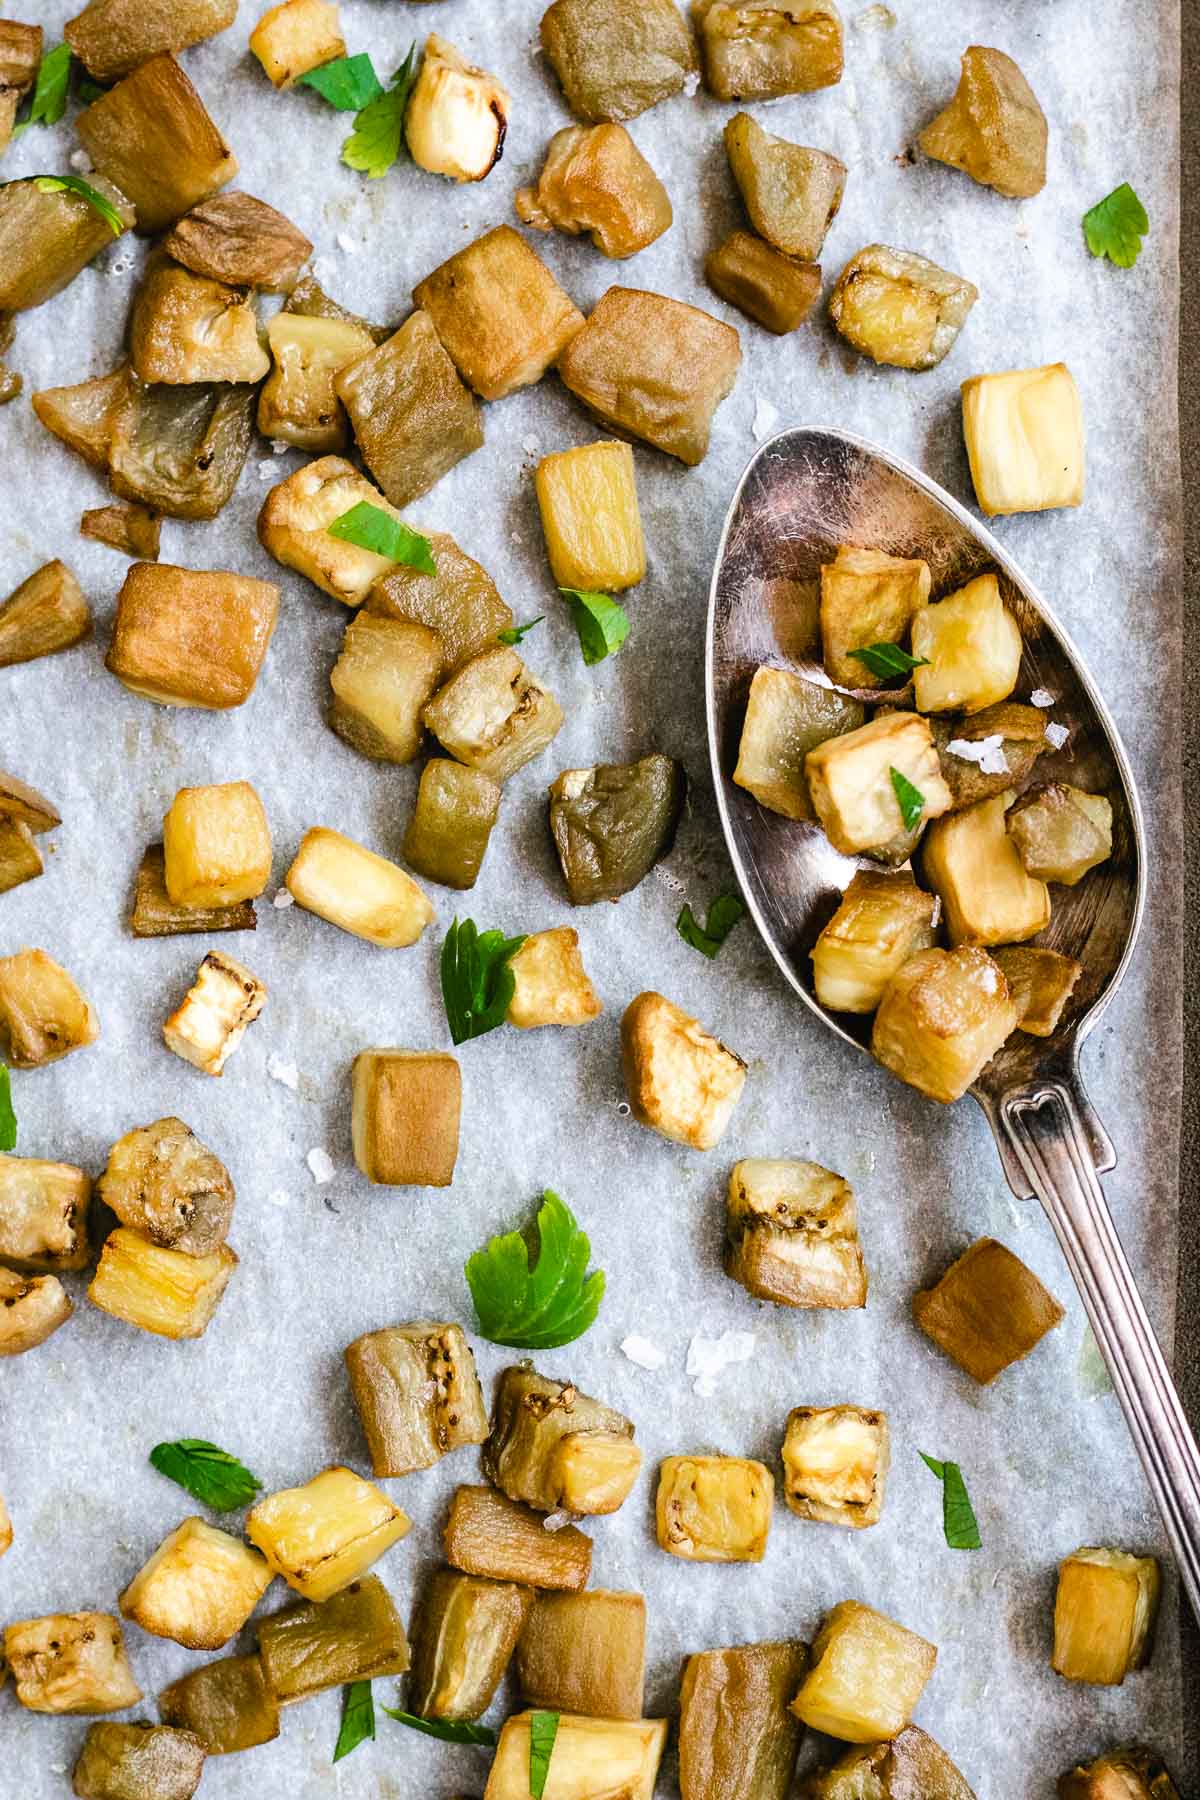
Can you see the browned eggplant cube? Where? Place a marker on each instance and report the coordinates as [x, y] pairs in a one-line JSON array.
[[596, 179], [43, 1214], [199, 1587], [1104, 1614], [46, 614], [466, 1631], [179, 450], [791, 191], [910, 1764], [216, 845], [20, 58], [897, 307], [737, 1738], [152, 135], [835, 1462], [191, 637], [615, 58], [1041, 982], [298, 403], [386, 673], [714, 1508], [355, 1635], [126, 526], [32, 1307], [993, 129], [162, 1181], [236, 238], [551, 985], [556, 1449], [405, 1114], [20, 801], [459, 601], [43, 1015], [987, 1311], [759, 49], [943, 1016], [20, 858], [296, 36], [111, 37], [131, 1760], [155, 914], [585, 1653], [417, 1394], [681, 1081], [1132, 1773], [488, 1534], [792, 1234], [413, 419], [47, 235], [226, 1704], [186, 328], [774, 290], [71, 1663]]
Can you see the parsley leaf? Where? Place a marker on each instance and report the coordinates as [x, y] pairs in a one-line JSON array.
[[451, 1731], [958, 1515], [910, 799], [358, 1718], [477, 983], [48, 101], [377, 140], [348, 84], [1116, 225], [8, 1118], [543, 1730], [723, 915], [515, 633], [372, 529], [209, 1473], [602, 625], [74, 184], [543, 1307], [888, 661]]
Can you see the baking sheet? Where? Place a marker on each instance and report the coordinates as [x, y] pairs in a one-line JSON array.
[[1045, 1452]]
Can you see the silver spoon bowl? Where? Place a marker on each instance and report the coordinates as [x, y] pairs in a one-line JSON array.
[[804, 493]]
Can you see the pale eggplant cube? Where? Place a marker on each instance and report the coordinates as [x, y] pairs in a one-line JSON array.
[[972, 864], [786, 717], [792, 1234], [853, 785], [970, 646], [493, 714], [835, 1461], [883, 919], [1024, 434]]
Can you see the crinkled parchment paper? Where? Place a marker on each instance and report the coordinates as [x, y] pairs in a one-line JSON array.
[[1045, 1450]]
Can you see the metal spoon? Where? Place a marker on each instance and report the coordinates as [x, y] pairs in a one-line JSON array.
[[803, 494]]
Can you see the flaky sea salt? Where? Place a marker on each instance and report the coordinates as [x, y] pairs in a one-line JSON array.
[[283, 898], [556, 1521], [987, 752], [643, 1351], [267, 471], [320, 1165], [707, 1358], [766, 418], [1057, 735], [691, 83], [285, 1073], [346, 243], [1041, 697], [81, 162]]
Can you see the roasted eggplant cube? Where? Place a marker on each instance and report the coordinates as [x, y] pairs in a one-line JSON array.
[[417, 1394], [216, 845], [457, 117], [835, 1462], [32, 1307], [82, 415], [180, 450], [910, 1764], [308, 300], [324, 1535], [1061, 832], [452, 821], [499, 312], [786, 717], [867, 597], [970, 649], [226, 1704], [1130, 1774], [551, 983], [48, 236], [556, 1449], [900, 308], [153, 137], [595, 179], [851, 781], [405, 1115], [867, 1675], [714, 1508], [585, 1653], [942, 1018], [493, 714], [971, 863], [589, 507], [1041, 982], [1104, 1615], [613, 1757], [111, 37], [45, 615], [222, 1002], [466, 1631], [792, 1234], [654, 368], [128, 527], [236, 238], [20, 801], [295, 37], [191, 637], [681, 1081], [119, 1761], [760, 49], [163, 1182], [987, 1311], [413, 418], [70, 1663], [993, 129], [20, 858], [737, 1738], [616, 58], [490, 1535], [387, 671], [355, 1635], [199, 1587], [155, 914], [460, 601], [791, 192], [186, 328], [774, 290], [1022, 733], [43, 1215], [43, 1015], [298, 402], [20, 58], [611, 824], [883, 919], [165, 1292], [294, 527], [6, 1531]]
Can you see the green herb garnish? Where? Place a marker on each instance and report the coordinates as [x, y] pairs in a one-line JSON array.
[[74, 184], [8, 1118], [542, 1307], [451, 1731], [358, 1718], [372, 529], [958, 1515], [723, 915], [207, 1472], [48, 102], [602, 625], [477, 983], [377, 140], [910, 799], [543, 1730], [889, 661], [515, 633], [348, 84], [1116, 225]]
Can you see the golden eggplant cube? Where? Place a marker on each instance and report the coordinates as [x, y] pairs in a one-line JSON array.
[[222, 1002], [199, 1587], [294, 527], [760, 49], [460, 601], [324, 1535], [616, 58], [43, 1214], [835, 1463], [20, 801], [1133, 1773], [988, 1310], [413, 418], [1021, 731], [466, 1631], [595, 179], [20, 858], [776, 291], [163, 1182], [556, 1449], [155, 914], [1024, 435], [792, 1234], [490, 1535], [1041, 982], [551, 983], [737, 1738], [121, 1760], [298, 403], [70, 1663], [20, 58], [180, 450], [867, 1675], [355, 1635], [867, 597], [457, 117], [1104, 1615], [191, 637], [499, 312], [162, 1291], [226, 1704], [6, 1530], [111, 37], [32, 1307], [128, 527], [897, 307], [611, 824], [786, 717], [993, 129], [910, 1764], [186, 328], [241, 240], [616, 1758], [452, 821], [970, 649], [791, 192], [942, 1018], [405, 1112], [714, 1508], [971, 863], [43, 1015], [681, 1081], [1061, 832], [493, 714], [153, 137], [585, 1653], [882, 920], [589, 506], [48, 236], [216, 845], [45, 615], [417, 1394], [295, 37], [81, 416], [387, 671], [852, 781], [356, 890], [653, 368]]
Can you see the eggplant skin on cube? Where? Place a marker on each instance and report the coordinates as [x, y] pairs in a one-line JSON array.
[[988, 1310], [835, 1462], [417, 1394], [792, 1234], [1133, 1773], [908, 1767], [737, 1738], [556, 1449], [32, 1307], [466, 1631], [490, 1535]]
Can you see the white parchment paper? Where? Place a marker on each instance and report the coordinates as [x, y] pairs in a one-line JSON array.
[[1045, 1450]]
